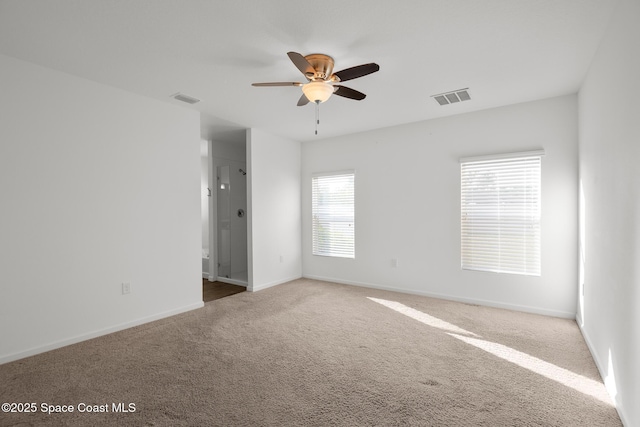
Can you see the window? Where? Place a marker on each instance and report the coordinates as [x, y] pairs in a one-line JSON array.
[[333, 225], [500, 224]]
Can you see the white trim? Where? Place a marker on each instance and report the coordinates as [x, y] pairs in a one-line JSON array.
[[487, 303], [231, 281], [601, 371], [249, 160], [521, 154], [213, 214], [330, 173], [100, 332], [271, 284]]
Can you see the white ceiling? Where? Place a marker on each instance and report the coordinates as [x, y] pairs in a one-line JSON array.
[[505, 51]]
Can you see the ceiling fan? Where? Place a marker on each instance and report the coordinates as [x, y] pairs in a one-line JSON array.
[[321, 80]]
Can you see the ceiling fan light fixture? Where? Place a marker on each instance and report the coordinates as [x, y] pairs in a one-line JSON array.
[[317, 91]]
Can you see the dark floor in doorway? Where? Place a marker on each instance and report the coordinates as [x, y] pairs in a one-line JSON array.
[[216, 290]]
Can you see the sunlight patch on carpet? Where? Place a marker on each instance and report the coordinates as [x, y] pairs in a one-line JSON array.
[[421, 317], [563, 376]]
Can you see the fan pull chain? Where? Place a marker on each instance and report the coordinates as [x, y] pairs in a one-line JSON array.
[[317, 115]]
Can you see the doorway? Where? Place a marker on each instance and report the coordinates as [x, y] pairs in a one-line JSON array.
[[231, 225], [227, 216]]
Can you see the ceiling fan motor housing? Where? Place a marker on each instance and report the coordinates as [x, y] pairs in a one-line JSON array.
[[322, 64]]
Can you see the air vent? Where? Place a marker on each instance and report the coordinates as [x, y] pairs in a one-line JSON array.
[[441, 100], [463, 95], [452, 96], [185, 98]]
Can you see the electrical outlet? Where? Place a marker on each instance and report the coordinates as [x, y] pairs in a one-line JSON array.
[[126, 288], [281, 259], [394, 262]]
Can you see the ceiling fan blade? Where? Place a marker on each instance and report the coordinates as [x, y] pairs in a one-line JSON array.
[[302, 63], [276, 84], [357, 71], [347, 92], [303, 100]]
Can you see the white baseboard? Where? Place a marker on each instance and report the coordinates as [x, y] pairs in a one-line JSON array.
[[601, 370], [231, 281], [488, 303], [263, 286], [205, 275], [98, 333]]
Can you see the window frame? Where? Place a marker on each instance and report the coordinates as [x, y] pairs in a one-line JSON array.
[[342, 246], [504, 234]]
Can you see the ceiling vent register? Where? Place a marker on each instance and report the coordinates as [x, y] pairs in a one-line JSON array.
[[452, 97]]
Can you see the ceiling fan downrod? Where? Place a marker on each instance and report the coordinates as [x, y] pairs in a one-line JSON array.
[[317, 115]]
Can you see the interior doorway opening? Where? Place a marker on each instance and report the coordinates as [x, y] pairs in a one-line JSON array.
[[225, 254]]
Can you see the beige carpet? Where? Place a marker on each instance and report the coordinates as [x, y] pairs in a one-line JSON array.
[[309, 353]]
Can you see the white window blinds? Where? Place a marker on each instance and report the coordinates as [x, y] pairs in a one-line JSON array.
[[501, 214], [333, 226]]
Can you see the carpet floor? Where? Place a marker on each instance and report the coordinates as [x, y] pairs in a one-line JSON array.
[[311, 353]]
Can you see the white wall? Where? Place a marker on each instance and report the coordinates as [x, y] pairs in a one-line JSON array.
[[408, 205], [609, 156], [274, 211], [98, 187], [236, 151]]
